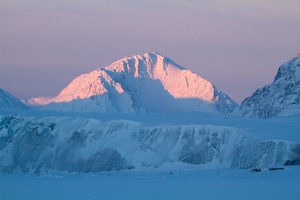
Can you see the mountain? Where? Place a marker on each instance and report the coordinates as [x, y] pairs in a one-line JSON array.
[[142, 83], [9, 101], [280, 98]]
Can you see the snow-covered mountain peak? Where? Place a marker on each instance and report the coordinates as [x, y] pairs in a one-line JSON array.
[[178, 81], [281, 97], [147, 82]]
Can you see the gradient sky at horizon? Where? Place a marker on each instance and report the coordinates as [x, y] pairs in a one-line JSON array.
[[237, 45]]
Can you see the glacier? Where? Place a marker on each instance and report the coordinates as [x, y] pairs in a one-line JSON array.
[[76, 144]]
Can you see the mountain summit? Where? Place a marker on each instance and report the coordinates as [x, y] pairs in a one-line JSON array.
[[280, 98], [143, 83]]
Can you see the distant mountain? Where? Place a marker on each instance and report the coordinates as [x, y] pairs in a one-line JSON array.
[[280, 98], [9, 101], [142, 83]]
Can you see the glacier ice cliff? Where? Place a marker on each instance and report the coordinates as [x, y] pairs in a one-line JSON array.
[[69, 144]]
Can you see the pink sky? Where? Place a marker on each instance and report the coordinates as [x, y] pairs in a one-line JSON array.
[[237, 45]]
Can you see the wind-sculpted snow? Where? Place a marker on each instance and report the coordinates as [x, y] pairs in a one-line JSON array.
[[282, 97], [68, 144]]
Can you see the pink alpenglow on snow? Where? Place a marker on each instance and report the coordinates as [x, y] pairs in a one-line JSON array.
[[143, 83]]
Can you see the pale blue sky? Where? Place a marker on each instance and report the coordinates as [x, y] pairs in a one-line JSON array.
[[237, 45]]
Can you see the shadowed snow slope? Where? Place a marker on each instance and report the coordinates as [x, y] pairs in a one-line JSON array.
[[282, 97], [9, 101], [142, 83]]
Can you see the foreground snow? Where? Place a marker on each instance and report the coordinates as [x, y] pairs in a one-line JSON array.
[[172, 184]]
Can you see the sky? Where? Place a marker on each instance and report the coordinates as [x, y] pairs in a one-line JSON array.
[[237, 45]]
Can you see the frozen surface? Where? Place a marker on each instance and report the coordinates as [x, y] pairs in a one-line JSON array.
[[160, 185]]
